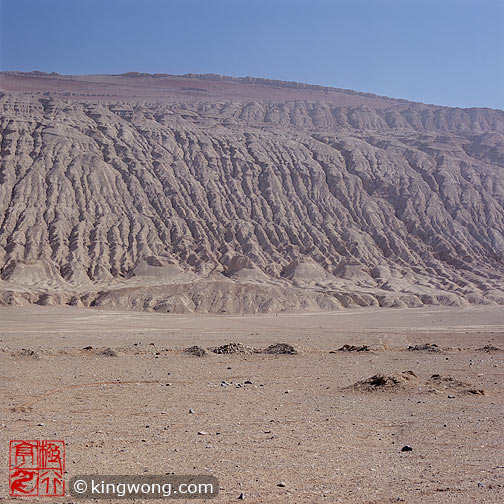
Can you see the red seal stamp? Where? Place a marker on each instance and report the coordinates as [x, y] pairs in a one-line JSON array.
[[36, 468]]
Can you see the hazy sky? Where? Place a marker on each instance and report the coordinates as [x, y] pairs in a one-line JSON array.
[[448, 52]]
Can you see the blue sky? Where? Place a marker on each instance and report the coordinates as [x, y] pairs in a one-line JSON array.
[[448, 52]]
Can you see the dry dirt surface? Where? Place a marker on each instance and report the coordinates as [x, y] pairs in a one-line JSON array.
[[329, 425], [208, 194]]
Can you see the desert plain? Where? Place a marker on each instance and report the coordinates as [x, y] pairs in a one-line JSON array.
[[135, 402]]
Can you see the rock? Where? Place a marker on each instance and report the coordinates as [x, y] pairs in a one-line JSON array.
[[89, 347], [191, 411], [248, 382], [241, 496], [281, 484], [406, 448], [202, 433]]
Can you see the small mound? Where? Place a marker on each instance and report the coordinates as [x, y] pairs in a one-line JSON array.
[[475, 392], [196, 350], [107, 352], [425, 347], [354, 348], [384, 382], [26, 352], [233, 348], [281, 349], [490, 348], [447, 383]]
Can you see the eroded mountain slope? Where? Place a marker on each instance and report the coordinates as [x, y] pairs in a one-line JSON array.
[[247, 205]]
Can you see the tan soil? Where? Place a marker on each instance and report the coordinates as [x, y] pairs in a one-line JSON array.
[[129, 413]]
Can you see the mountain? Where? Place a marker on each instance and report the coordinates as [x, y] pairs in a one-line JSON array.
[[205, 193]]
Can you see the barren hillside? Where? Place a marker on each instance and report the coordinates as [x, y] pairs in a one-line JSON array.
[[210, 194]]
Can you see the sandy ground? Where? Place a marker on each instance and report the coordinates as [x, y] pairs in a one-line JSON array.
[[297, 422]]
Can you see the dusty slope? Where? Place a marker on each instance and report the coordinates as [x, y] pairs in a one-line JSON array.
[[210, 195]]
